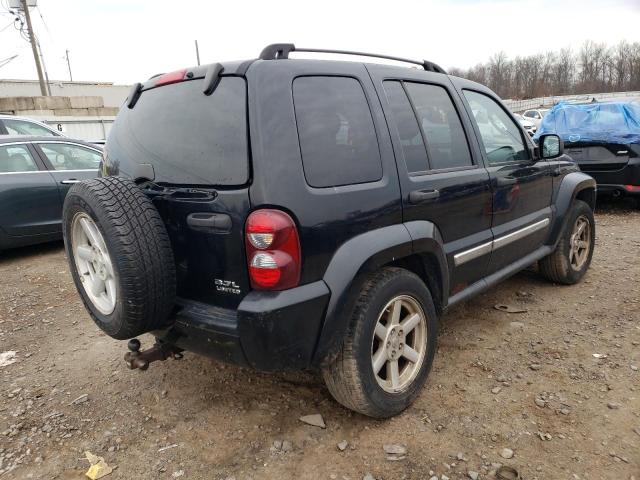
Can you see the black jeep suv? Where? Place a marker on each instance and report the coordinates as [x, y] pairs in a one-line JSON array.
[[290, 214]]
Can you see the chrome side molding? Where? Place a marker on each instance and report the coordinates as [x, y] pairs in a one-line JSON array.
[[480, 250]]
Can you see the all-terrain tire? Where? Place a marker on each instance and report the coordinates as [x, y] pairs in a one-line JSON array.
[[350, 376], [139, 249], [557, 266]]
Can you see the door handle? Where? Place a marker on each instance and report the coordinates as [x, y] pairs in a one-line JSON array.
[[419, 196], [506, 181], [216, 222], [70, 181]]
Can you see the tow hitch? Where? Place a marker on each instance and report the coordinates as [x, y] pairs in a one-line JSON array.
[[160, 351]]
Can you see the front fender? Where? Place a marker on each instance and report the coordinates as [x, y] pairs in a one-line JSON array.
[[572, 184], [358, 257]]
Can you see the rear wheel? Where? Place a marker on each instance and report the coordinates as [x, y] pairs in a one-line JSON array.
[[388, 348], [572, 257]]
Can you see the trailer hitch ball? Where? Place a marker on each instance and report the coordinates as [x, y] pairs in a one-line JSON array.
[[141, 359]]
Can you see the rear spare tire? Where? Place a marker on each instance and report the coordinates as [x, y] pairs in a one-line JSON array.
[[119, 255]]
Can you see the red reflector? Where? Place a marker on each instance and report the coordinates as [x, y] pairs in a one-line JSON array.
[[265, 277], [273, 250], [171, 77], [632, 188]]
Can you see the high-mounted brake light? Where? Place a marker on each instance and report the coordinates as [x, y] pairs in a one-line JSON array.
[[171, 77], [273, 250]]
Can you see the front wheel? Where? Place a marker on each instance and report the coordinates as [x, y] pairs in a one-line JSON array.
[[572, 257], [389, 346]]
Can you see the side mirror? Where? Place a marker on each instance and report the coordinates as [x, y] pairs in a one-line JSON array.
[[551, 146]]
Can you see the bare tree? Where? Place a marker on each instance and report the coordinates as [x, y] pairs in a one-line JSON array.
[[499, 73], [563, 72], [595, 68]]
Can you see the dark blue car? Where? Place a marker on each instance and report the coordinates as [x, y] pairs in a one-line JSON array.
[[35, 175]]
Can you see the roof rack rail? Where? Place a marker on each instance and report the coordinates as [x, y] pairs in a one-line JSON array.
[[277, 51]]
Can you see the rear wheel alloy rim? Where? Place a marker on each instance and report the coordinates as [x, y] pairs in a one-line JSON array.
[[580, 243], [93, 263], [399, 344]]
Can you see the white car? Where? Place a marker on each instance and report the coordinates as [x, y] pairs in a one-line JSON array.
[[527, 124], [536, 115], [12, 125]]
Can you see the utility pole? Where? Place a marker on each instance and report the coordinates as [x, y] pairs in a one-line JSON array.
[[69, 65], [32, 39], [197, 53], [44, 67]]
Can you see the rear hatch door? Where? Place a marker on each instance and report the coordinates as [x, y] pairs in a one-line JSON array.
[[190, 153]]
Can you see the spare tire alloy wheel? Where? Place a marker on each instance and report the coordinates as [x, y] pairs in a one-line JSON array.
[[399, 344], [93, 263], [120, 256], [580, 243]]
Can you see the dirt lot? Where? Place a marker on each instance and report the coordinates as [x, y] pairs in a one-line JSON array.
[[528, 382]]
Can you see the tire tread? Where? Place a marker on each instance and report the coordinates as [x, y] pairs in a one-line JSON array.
[[342, 376], [139, 244]]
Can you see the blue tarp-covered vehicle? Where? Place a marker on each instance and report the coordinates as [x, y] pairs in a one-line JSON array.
[[603, 138]]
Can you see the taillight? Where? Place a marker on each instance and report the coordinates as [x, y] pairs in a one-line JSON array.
[[273, 250], [632, 188], [171, 77]]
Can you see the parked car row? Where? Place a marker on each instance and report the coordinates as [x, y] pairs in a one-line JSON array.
[[405, 192]]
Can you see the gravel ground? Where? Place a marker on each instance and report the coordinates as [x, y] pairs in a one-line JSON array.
[[527, 386]]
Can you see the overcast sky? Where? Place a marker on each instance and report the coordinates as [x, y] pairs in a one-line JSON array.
[[124, 41]]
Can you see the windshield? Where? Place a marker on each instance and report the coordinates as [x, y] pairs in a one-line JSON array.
[[188, 137]]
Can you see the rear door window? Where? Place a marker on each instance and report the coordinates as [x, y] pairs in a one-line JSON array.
[[413, 149], [16, 159], [335, 128], [188, 137], [446, 141], [428, 115], [20, 127]]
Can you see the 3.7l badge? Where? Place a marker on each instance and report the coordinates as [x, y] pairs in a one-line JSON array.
[[227, 286]]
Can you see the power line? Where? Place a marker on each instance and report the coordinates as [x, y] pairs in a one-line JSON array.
[[7, 60], [7, 26], [46, 27]]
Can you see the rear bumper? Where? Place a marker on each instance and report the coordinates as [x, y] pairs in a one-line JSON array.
[[622, 180], [269, 330], [626, 189]]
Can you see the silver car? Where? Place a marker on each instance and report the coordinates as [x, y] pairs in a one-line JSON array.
[[12, 125]]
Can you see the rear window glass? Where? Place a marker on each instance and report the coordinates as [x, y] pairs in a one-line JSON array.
[[188, 137], [337, 137]]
